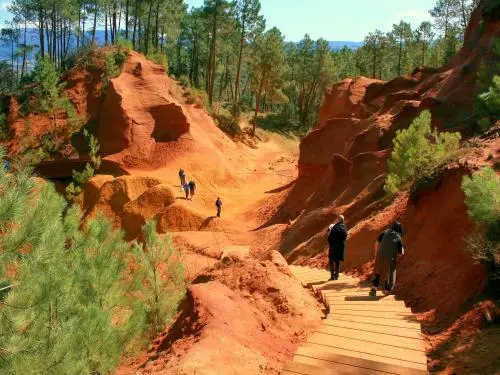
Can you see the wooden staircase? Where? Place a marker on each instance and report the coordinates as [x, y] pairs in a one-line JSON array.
[[360, 334]]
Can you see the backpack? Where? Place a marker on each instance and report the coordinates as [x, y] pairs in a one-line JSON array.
[[337, 234]]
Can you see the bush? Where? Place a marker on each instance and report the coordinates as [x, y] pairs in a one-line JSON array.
[[80, 178], [4, 127], [228, 123], [197, 97], [158, 58], [418, 151], [162, 271], [73, 306], [482, 197], [184, 81], [482, 192]]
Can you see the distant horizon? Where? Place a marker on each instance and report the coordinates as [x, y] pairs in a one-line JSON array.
[[5, 52]]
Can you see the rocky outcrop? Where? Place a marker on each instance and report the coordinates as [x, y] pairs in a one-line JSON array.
[[255, 308]]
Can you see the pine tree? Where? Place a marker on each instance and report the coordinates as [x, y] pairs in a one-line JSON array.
[[162, 274]]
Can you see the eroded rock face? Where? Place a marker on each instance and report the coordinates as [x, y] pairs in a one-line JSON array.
[[362, 115], [242, 317], [139, 111]]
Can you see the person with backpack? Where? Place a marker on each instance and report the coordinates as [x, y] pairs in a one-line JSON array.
[[337, 235], [218, 205], [182, 177], [387, 247], [6, 165], [186, 189], [192, 188]]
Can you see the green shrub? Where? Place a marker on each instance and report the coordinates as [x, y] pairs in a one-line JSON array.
[[4, 127], [482, 197], [482, 192], [73, 306], [418, 151], [162, 271], [197, 97], [158, 58], [228, 124], [80, 178], [184, 81]]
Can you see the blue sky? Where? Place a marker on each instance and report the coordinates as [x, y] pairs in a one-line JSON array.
[[346, 20]]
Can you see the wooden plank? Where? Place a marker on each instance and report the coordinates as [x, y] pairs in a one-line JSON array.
[[363, 366], [329, 353], [318, 367], [367, 327], [352, 292], [369, 307], [372, 320], [367, 347], [374, 337], [375, 314], [367, 300]]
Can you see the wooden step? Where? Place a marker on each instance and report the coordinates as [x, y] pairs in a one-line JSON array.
[[374, 314], [371, 320], [367, 300], [332, 354], [317, 367], [367, 347], [360, 297], [340, 306], [361, 366], [374, 337], [367, 327]]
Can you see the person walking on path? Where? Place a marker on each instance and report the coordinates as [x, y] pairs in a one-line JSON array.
[[218, 205], [337, 234], [192, 188], [387, 247], [182, 177], [186, 189]]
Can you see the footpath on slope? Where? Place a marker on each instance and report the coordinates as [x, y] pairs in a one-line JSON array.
[[360, 334]]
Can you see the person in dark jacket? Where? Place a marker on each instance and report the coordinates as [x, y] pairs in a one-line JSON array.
[[337, 234], [192, 188], [387, 247], [218, 205], [182, 177]]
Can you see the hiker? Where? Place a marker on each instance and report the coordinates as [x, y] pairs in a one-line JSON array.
[[388, 245], [186, 189], [218, 204], [337, 234], [6, 165], [182, 177], [192, 188]]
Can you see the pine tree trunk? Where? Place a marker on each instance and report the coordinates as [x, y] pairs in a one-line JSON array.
[[95, 22], [54, 33], [24, 49], [214, 60], [127, 4], [148, 26], [399, 55], [106, 27], [240, 57], [257, 103], [114, 37], [157, 27], [136, 12], [78, 29]]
